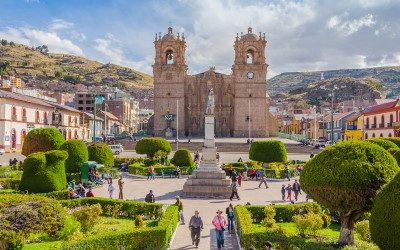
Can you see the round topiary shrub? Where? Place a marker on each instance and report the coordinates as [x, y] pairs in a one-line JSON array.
[[42, 140], [385, 216], [393, 150], [152, 146], [77, 155], [182, 158], [101, 153], [383, 143], [345, 178], [268, 151], [396, 155], [44, 172], [395, 140]]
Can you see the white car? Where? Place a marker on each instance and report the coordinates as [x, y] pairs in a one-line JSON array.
[[117, 149]]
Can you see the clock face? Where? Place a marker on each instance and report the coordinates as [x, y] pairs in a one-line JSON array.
[[250, 75]]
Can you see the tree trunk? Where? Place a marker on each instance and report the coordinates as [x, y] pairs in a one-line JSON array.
[[347, 227]]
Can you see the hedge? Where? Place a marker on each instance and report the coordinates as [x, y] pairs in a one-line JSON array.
[[385, 216], [77, 155], [42, 140], [268, 151], [139, 169], [142, 238], [101, 153], [386, 144], [119, 160], [44, 172], [182, 158], [284, 213], [152, 146], [129, 209], [57, 195], [9, 183], [395, 140]]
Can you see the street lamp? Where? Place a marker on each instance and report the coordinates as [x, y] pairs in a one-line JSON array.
[[332, 95]]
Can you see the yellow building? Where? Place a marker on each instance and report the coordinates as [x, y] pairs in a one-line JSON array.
[[16, 82], [354, 127]]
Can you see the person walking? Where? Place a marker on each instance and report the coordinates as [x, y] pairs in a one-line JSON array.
[[230, 170], [234, 191], [150, 197], [195, 226], [296, 189], [110, 190], [180, 210], [120, 186], [287, 172], [230, 215], [283, 191], [263, 179], [239, 179], [289, 192], [217, 156], [245, 169], [219, 223]]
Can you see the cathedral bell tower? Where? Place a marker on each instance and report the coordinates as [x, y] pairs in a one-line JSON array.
[[250, 74], [169, 71]]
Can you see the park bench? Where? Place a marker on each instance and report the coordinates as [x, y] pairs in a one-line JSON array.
[[170, 172]]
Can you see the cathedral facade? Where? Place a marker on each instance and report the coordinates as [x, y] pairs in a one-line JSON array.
[[180, 100]]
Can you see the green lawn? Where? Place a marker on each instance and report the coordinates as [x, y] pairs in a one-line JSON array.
[[106, 224]]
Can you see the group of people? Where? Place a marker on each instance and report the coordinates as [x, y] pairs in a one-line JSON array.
[[79, 191], [286, 191], [111, 188]]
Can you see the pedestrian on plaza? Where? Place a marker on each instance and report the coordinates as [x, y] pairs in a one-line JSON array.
[[239, 179], [230, 215], [287, 172], [289, 192], [89, 193], [240, 159], [268, 245], [81, 190], [177, 172], [110, 190], [234, 176], [263, 179], [311, 155], [296, 189], [230, 170], [180, 210], [217, 156], [120, 186], [234, 191], [219, 223], [150, 197], [283, 191], [150, 171], [245, 169], [195, 226]]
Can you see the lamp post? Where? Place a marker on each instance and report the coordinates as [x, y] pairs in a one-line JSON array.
[[332, 95], [315, 123]]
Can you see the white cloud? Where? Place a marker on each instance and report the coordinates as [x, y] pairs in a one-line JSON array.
[[350, 27], [111, 48], [35, 37], [60, 24]]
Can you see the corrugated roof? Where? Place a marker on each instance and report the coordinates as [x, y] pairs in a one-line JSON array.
[[380, 107]]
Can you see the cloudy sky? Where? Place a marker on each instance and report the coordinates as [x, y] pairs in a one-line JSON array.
[[303, 35]]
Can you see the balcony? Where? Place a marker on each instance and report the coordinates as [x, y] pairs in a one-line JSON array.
[[24, 119], [351, 127], [396, 124], [373, 125], [367, 126], [14, 118], [381, 125], [389, 124]]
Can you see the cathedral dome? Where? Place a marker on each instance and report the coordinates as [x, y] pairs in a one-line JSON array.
[[169, 36], [250, 36]]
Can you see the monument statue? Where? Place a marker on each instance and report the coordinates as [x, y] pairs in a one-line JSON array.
[[210, 102]]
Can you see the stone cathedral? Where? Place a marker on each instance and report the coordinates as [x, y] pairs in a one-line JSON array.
[[241, 103]]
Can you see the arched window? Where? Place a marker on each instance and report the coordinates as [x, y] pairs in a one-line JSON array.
[[381, 135], [382, 121], [169, 57], [391, 120], [375, 120], [37, 116], [23, 112], [45, 121], [373, 135], [367, 122], [366, 135], [390, 135], [249, 56]]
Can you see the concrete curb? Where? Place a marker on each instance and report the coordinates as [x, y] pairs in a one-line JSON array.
[[173, 237]]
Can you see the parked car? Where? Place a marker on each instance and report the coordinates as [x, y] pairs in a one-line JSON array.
[[116, 149]]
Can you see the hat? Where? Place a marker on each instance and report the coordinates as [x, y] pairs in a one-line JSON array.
[[177, 197], [219, 211]]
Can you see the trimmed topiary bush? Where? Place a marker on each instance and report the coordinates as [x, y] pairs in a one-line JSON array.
[[395, 140], [396, 155], [182, 158], [77, 155], [345, 178], [385, 216], [42, 140], [386, 144], [101, 153], [44, 172], [152, 146], [268, 151]]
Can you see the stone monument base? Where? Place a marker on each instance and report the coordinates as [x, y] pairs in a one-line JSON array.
[[204, 183]]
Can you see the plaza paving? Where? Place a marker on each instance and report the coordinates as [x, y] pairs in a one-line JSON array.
[[166, 189]]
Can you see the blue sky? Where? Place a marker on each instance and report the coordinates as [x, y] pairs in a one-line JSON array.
[[302, 35]]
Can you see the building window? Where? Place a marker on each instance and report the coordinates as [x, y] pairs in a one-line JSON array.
[[381, 135], [80, 102], [88, 95], [80, 108], [80, 96], [169, 57], [373, 135], [23, 112], [390, 135], [249, 56], [366, 135]]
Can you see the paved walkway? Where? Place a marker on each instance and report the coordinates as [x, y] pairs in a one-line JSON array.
[[166, 189]]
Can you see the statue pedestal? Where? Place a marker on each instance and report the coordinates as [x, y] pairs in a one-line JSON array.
[[208, 180]]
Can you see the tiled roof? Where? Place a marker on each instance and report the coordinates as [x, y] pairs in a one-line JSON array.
[[353, 117], [24, 98], [110, 115], [380, 107]]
